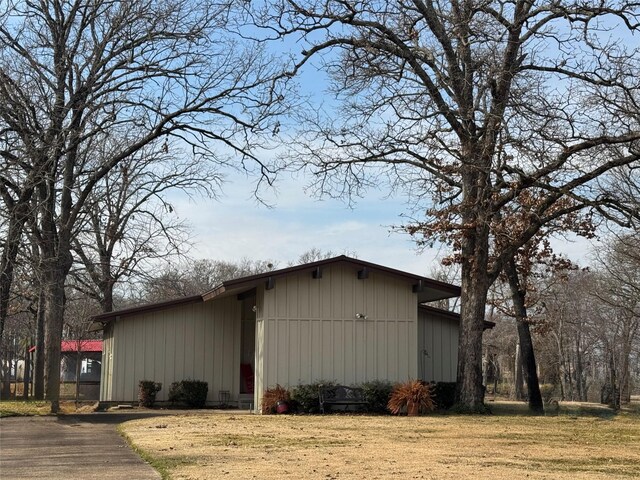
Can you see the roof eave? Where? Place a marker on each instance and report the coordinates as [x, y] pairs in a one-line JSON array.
[[103, 319]]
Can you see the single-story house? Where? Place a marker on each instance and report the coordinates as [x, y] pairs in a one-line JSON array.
[[89, 353], [340, 319]]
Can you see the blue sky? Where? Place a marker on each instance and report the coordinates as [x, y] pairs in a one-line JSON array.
[[236, 226]]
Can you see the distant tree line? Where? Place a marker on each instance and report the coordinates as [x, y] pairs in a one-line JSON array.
[[586, 331]]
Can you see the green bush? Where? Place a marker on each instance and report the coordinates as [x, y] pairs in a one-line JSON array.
[[444, 394], [193, 393], [147, 390], [377, 394], [306, 398]]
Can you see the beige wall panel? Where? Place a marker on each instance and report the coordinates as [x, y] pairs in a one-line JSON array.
[[438, 336], [304, 308], [292, 295], [315, 350], [197, 341], [305, 365], [370, 354], [325, 350], [325, 300], [259, 362], [295, 359], [337, 340], [381, 352], [380, 302], [436, 353], [189, 342], [321, 339], [315, 294], [200, 347], [339, 288]]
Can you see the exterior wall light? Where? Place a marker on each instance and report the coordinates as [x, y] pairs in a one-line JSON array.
[[361, 315]]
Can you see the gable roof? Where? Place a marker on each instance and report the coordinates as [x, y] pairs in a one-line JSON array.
[[427, 289]]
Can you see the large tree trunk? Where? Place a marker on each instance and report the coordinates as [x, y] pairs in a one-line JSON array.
[[529, 370], [469, 388], [38, 368], [579, 372], [474, 249], [106, 302], [518, 380], [613, 382], [56, 270], [54, 313]]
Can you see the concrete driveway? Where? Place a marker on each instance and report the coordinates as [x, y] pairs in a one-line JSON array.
[[83, 446]]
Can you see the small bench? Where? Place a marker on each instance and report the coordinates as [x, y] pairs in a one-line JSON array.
[[341, 395]]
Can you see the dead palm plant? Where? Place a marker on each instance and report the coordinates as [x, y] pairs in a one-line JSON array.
[[413, 395]]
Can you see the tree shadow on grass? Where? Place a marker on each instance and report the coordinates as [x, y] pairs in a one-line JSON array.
[[570, 409]]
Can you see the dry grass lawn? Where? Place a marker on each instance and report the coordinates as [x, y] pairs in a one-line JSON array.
[[581, 442], [11, 408]]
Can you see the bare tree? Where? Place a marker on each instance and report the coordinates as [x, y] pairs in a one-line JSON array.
[[85, 85], [129, 227], [197, 277], [618, 288], [469, 105], [315, 254]]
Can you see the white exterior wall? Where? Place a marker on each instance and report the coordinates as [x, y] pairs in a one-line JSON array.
[[199, 341], [307, 330], [437, 347]]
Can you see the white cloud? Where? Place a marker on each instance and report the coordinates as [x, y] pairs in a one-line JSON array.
[[235, 226]]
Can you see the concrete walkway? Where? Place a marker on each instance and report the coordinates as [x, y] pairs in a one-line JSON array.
[[83, 446]]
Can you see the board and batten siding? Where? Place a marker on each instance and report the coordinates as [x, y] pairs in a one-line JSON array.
[[307, 330], [437, 347], [199, 341], [106, 375]]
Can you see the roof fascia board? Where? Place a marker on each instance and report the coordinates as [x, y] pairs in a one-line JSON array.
[[252, 280]]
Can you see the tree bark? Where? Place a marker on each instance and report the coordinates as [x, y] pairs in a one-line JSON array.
[[529, 370], [469, 388], [579, 373], [38, 369], [8, 259], [55, 275], [613, 382], [518, 380], [27, 372], [78, 365]]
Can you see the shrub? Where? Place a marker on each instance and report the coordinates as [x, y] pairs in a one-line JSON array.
[[193, 393], [306, 398], [272, 396], [413, 395], [377, 394], [147, 390], [444, 394]]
